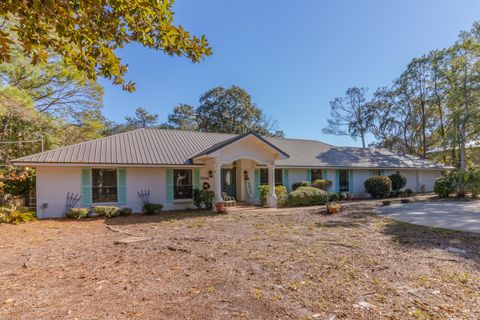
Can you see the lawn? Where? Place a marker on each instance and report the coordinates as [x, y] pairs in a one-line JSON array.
[[252, 264]]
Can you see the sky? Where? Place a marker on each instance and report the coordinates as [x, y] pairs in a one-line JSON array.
[[293, 57]]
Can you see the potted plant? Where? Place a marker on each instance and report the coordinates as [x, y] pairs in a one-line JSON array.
[[219, 207], [333, 207]]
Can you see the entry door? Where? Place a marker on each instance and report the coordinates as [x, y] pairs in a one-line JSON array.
[[229, 182]]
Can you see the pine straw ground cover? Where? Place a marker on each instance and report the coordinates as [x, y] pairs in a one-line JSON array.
[[289, 264]]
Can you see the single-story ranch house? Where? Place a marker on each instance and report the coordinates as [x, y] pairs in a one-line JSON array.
[[171, 163]]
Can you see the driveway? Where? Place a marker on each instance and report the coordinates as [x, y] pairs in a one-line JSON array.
[[455, 215]]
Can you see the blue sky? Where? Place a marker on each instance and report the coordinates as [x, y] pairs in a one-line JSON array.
[[293, 57]]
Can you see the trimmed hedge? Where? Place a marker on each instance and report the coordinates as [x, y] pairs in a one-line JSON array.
[[307, 196], [398, 181], [378, 187], [333, 197], [300, 184], [322, 184], [111, 211], [444, 186], [152, 208], [78, 213]]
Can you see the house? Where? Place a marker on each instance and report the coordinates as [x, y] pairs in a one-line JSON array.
[[171, 163], [451, 155]]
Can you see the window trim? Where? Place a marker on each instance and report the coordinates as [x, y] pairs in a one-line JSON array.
[[91, 186], [182, 200]]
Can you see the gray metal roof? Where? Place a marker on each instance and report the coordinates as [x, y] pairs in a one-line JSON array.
[[177, 147]]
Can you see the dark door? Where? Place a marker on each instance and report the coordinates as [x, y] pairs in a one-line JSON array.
[[229, 182]]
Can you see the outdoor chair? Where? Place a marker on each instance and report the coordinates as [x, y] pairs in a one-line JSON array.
[[229, 201]]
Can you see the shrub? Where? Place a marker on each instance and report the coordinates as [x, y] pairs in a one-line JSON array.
[[280, 192], [152, 208], [398, 181], [16, 216], [108, 211], [307, 196], [77, 213], [322, 184], [408, 192], [300, 184], [444, 186], [474, 182], [342, 195], [333, 197], [378, 186], [203, 196], [125, 211]]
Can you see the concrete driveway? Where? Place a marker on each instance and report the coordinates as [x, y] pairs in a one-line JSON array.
[[455, 215]]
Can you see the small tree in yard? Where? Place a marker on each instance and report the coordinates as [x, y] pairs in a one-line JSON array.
[[378, 187], [398, 181], [15, 181]]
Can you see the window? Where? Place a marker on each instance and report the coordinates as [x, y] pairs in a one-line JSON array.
[[344, 185], [104, 185], [316, 174], [376, 172], [278, 177], [263, 176], [182, 184]]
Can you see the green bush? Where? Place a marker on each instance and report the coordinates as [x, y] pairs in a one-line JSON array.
[[307, 196], [111, 211], [398, 181], [280, 192], [378, 187], [152, 208], [300, 184], [444, 186], [322, 184], [474, 182], [78, 213], [197, 201], [203, 196], [333, 197], [16, 216], [408, 192]]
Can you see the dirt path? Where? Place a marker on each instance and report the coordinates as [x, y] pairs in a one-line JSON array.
[[292, 264]]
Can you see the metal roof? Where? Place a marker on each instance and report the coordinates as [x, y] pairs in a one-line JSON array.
[[177, 147]]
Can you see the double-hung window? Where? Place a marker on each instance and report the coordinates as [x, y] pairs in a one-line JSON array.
[[182, 184], [104, 185], [316, 174], [344, 181], [264, 176]]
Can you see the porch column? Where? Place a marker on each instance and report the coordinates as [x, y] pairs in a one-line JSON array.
[[217, 179], [272, 197]]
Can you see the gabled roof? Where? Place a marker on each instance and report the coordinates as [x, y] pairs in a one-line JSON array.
[[236, 138], [177, 147]]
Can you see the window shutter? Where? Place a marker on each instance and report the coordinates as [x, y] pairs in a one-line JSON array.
[[285, 179], [337, 181], [350, 181], [196, 178], [86, 187], [169, 184], [122, 186], [256, 184], [309, 175]]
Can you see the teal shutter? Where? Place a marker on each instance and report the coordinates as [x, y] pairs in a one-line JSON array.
[[196, 179], [309, 175], [285, 179], [324, 174], [86, 187], [350, 181], [337, 181], [122, 186], [256, 184], [169, 184]]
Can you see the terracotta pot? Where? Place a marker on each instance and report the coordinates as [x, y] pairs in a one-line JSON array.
[[332, 210], [220, 207]]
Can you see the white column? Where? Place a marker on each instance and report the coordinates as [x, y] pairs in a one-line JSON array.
[[272, 197], [217, 180]]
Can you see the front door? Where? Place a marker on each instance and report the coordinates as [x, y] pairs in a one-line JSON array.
[[229, 182]]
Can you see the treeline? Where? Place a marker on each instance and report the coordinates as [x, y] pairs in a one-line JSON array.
[[54, 104], [433, 105]]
